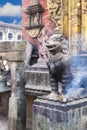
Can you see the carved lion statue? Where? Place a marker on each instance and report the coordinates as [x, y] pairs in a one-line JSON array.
[[58, 63]]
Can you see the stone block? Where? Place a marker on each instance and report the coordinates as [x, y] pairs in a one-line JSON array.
[[13, 51], [50, 115], [15, 56], [12, 46], [37, 82]]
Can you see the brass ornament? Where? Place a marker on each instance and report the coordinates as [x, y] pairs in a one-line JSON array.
[[34, 32], [54, 8]]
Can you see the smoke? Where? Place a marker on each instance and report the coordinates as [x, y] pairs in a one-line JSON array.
[[75, 88], [78, 85]]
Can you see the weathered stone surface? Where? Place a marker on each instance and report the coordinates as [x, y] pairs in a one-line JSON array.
[[15, 56], [37, 82], [49, 115], [13, 51], [4, 101], [17, 105], [29, 102], [12, 46], [16, 116]]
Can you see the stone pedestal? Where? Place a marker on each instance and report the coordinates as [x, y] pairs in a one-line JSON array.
[[37, 80], [37, 84], [50, 115]]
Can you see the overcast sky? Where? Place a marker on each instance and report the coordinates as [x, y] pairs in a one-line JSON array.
[[11, 11]]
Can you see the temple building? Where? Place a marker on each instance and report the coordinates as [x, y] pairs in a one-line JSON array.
[[68, 15], [10, 32], [40, 18]]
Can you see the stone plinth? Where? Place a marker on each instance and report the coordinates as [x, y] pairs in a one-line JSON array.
[[50, 115], [37, 81]]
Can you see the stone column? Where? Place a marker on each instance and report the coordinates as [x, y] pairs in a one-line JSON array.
[[17, 110]]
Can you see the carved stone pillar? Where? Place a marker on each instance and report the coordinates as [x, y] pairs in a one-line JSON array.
[[17, 107]]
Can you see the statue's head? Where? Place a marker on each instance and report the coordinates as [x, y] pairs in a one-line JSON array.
[[54, 43]]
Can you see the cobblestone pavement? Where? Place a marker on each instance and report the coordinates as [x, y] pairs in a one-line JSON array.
[[3, 122]]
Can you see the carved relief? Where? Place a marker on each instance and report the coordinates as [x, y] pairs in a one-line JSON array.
[[84, 7], [76, 14], [54, 7]]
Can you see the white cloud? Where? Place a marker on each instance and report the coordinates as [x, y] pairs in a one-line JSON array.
[[10, 10]]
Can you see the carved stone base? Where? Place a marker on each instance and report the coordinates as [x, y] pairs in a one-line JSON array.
[[50, 115]]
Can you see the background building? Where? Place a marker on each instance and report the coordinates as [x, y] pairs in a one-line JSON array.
[[10, 32], [68, 15]]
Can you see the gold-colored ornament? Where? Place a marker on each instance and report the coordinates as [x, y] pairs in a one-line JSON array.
[[34, 32], [54, 8]]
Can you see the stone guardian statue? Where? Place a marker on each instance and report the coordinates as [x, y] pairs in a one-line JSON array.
[[58, 65]]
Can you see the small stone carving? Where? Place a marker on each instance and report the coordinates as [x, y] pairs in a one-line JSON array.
[[58, 65]]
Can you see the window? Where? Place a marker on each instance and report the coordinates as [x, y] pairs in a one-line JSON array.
[[1, 35], [19, 37], [10, 36]]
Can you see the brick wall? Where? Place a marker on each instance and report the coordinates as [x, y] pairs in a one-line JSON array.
[[48, 25]]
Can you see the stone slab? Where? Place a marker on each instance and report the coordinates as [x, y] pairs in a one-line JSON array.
[[37, 82], [34, 90], [15, 56], [13, 51], [50, 115], [38, 78], [12, 46]]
